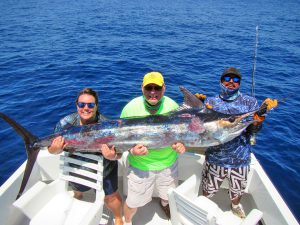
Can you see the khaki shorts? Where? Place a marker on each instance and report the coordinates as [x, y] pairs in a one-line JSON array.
[[141, 184]]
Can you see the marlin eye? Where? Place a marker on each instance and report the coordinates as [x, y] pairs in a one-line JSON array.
[[231, 119]]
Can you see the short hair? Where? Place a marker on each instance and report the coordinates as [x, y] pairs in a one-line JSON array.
[[88, 91]]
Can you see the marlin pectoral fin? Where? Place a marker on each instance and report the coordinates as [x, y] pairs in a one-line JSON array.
[[32, 152], [191, 100]]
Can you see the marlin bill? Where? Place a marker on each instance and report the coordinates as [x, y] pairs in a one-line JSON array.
[[192, 124]]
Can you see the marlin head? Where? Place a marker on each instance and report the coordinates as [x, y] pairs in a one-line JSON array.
[[228, 128], [234, 130], [235, 120]]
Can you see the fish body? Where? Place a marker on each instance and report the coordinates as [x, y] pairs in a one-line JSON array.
[[194, 127], [192, 124]]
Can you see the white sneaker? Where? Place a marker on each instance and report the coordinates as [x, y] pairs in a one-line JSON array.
[[238, 211]]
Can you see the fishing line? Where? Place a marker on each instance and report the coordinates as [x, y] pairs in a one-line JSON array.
[[283, 99], [253, 138], [254, 63]]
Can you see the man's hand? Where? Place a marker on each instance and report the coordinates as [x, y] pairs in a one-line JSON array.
[[57, 145], [270, 103], [139, 150], [258, 118], [208, 106], [267, 105], [109, 153], [201, 97], [179, 147]]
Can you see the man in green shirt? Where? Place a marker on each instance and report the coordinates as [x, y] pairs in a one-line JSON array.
[[150, 169]]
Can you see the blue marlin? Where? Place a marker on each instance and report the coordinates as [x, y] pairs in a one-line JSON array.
[[192, 124]]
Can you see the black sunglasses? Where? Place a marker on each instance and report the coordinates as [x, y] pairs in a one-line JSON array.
[[151, 87], [89, 105], [228, 78]]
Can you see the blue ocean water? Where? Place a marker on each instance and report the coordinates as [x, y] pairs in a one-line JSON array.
[[49, 50]]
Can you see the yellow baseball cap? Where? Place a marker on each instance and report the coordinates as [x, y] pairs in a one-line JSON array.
[[153, 78]]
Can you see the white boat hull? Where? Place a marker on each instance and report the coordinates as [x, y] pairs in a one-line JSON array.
[[261, 193]]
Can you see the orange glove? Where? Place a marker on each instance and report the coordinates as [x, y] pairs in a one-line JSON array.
[[258, 118], [201, 97], [208, 106], [270, 103]]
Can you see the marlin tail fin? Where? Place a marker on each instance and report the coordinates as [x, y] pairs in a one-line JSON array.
[[31, 151]]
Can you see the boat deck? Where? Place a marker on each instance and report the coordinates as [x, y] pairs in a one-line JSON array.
[[152, 214]]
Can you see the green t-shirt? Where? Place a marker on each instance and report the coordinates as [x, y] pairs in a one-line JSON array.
[[156, 159]]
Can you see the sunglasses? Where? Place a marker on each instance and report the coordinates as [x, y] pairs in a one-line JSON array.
[[151, 88], [89, 105], [228, 78]]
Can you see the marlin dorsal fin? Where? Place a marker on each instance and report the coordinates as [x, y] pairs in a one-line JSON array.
[[190, 100]]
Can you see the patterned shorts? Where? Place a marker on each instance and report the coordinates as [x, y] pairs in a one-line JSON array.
[[213, 176]]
